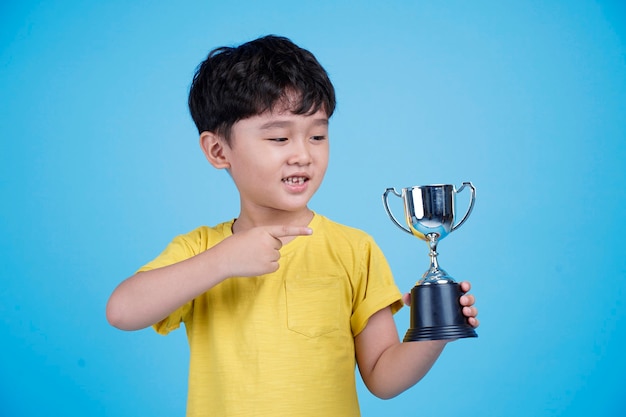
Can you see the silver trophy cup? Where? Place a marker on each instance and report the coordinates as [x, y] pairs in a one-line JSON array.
[[436, 313]]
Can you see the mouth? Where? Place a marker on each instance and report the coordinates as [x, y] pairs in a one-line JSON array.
[[296, 180]]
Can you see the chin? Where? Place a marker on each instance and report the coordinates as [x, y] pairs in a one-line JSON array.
[[294, 207]]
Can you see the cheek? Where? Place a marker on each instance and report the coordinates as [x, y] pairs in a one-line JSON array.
[[321, 158], [252, 172]]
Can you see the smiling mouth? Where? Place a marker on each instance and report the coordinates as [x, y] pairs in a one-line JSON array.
[[295, 180]]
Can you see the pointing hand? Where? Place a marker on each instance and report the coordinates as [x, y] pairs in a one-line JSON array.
[[256, 251]]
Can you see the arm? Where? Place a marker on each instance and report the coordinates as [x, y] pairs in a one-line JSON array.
[[389, 367], [148, 297]]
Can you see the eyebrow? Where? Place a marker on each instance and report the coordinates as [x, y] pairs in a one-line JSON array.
[[286, 123]]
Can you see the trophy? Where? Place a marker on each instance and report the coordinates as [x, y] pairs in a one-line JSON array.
[[436, 312]]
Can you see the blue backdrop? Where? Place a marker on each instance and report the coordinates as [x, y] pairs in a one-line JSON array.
[[100, 167]]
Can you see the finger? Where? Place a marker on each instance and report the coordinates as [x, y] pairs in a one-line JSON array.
[[406, 299], [285, 231], [278, 244], [466, 286], [470, 312], [467, 300], [274, 267]]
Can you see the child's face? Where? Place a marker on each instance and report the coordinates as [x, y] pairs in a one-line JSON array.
[[278, 159]]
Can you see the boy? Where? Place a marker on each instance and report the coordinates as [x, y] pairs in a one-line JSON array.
[[280, 303]]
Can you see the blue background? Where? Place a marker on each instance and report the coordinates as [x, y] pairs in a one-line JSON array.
[[100, 167]]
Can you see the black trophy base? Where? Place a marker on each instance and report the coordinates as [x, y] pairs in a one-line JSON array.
[[437, 314]]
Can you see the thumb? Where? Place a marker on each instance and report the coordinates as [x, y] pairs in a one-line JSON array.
[[406, 298]]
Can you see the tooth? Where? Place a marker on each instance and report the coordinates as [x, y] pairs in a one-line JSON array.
[[295, 180]]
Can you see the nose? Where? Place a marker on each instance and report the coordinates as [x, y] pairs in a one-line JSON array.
[[300, 153]]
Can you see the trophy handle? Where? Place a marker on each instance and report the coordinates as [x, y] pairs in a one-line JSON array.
[[471, 205], [389, 213]]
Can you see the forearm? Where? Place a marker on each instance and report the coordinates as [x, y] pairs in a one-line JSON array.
[[148, 297], [401, 366], [389, 367]]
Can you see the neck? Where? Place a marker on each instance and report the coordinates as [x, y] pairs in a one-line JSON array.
[[247, 220]]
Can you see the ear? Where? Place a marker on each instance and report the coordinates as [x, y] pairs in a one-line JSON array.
[[214, 148]]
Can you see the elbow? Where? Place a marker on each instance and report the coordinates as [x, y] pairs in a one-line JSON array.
[[384, 394], [387, 396], [382, 391], [115, 314], [122, 314]]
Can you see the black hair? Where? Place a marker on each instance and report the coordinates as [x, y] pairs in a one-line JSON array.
[[235, 83]]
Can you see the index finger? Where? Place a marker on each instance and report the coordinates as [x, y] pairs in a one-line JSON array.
[[285, 231]]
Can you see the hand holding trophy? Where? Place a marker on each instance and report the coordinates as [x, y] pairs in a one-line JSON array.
[[436, 313]]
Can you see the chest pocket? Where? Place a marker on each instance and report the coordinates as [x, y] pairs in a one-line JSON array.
[[312, 305]]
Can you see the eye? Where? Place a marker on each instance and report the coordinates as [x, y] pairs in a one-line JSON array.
[[278, 139], [318, 138]]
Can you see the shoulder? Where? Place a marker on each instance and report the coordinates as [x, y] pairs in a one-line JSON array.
[[186, 245], [203, 237], [332, 226], [338, 232]]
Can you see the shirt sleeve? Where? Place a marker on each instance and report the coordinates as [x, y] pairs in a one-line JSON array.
[[375, 287]]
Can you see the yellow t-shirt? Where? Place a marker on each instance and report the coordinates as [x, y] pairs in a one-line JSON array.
[[282, 344]]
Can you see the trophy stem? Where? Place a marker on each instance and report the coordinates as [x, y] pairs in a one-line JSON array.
[[432, 243], [434, 274]]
